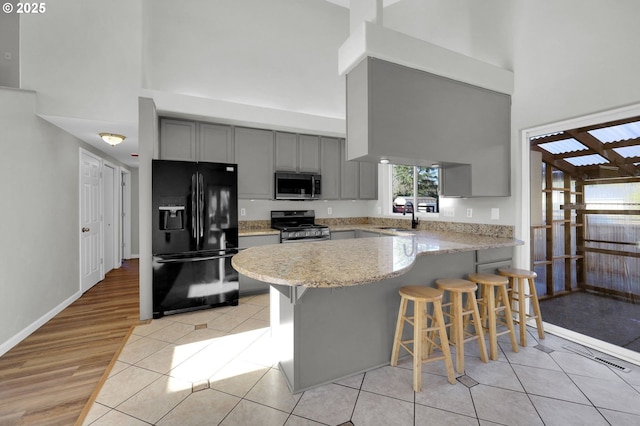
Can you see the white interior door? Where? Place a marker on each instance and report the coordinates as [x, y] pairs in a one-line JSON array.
[[90, 221], [109, 219]]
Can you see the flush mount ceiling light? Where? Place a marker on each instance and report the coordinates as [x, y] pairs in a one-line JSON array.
[[384, 161], [112, 138]]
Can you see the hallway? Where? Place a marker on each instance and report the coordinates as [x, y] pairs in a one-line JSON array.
[[49, 377]]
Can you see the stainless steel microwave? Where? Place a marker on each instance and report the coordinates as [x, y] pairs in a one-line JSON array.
[[297, 186]]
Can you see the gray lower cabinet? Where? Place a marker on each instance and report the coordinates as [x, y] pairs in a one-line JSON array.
[[249, 285], [342, 235], [254, 154], [488, 261], [366, 234]]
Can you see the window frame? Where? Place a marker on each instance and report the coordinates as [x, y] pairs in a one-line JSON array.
[[388, 196]]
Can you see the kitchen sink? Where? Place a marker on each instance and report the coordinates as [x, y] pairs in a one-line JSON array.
[[393, 229]]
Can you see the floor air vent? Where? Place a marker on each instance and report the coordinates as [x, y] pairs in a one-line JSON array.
[[598, 359]]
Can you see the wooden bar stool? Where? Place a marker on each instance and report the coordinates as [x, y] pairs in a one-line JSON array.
[[423, 324], [459, 317], [492, 304], [520, 280]]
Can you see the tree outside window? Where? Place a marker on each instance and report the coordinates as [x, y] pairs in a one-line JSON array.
[[414, 186]]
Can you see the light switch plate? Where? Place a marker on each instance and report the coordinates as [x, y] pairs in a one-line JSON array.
[[243, 212]]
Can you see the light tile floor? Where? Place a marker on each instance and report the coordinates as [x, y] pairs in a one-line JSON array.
[[177, 371]]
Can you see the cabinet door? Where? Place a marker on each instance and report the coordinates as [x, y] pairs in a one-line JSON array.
[[368, 181], [342, 235], [178, 140], [309, 153], [286, 152], [330, 167], [215, 143], [254, 155], [350, 173]]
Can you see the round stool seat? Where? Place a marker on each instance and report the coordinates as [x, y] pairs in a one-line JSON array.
[[456, 284], [488, 279], [517, 273], [426, 294]]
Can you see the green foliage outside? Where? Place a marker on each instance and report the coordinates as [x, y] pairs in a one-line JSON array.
[[403, 181]]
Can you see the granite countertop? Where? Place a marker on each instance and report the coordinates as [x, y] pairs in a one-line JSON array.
[[341, 263]]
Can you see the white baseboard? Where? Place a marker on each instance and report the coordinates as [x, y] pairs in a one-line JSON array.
[[19, 337]]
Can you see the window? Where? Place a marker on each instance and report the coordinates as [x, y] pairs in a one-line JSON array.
[[414, 186]]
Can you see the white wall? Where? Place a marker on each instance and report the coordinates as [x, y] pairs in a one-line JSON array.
[[280, 54], [571, 58], [83, 57], [39, 185]]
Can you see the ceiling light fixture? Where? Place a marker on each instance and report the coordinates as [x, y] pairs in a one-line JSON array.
[[384, 161], [112, 138]]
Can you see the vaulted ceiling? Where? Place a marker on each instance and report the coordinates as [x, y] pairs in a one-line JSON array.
[[607, 150]]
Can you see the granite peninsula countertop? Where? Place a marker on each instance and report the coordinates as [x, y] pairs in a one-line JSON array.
[[349, 262]]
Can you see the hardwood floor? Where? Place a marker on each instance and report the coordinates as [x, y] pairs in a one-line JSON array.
[[48, 378]]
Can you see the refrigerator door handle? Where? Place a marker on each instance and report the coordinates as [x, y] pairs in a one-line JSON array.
[[194, 204], [201, 204]]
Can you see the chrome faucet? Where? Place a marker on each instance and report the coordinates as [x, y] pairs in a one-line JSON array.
[[414, 221]]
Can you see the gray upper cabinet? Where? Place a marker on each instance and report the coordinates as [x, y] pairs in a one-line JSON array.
[[297, 153], [330, 162], [368, 181], [286, 152], [309, 153], [414, 117], [192, 141], [359, 180], [350, 177], [254, 153], [215, 143], [178, 140]]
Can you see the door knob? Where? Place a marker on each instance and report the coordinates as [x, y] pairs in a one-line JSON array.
[[85, 229]]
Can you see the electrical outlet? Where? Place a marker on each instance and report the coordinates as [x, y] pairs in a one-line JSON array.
[[469, 212], [495, 213], [243, 212], [329, 210]]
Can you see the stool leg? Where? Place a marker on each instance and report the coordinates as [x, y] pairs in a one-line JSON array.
[[418, 325], [399, 329], [444, 341], [536, 307], [457, 331], [522, 314], [491, 311], [477, 325], [509, 319]]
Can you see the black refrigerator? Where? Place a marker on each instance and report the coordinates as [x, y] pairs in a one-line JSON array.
[[195, 235]]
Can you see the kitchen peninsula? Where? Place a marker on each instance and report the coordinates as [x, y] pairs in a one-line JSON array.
[[334, 303]]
